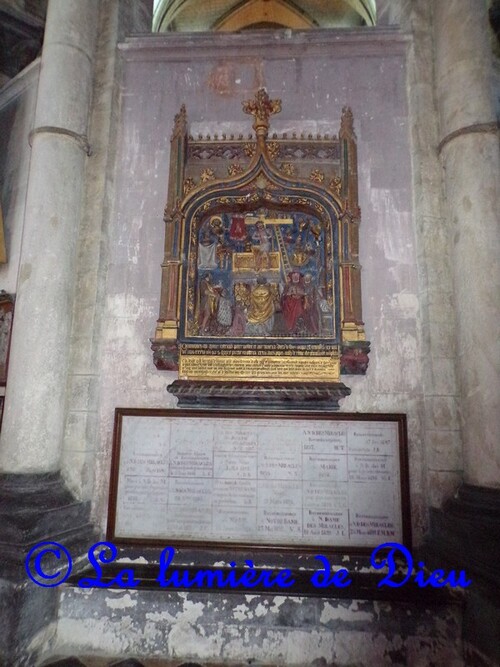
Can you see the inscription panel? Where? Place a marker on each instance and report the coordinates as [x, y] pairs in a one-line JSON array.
[[298, 481], [266, 368]]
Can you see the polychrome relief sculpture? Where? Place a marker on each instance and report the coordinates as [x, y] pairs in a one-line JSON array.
[[261, 280]]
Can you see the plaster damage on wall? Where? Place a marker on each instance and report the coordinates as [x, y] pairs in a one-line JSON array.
[[272, 629]]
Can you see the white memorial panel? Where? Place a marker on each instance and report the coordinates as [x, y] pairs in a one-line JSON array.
[[301, 480]]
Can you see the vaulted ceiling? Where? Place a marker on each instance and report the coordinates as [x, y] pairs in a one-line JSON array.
[[236, 15]]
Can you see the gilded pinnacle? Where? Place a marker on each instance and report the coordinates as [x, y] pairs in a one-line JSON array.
[[261, 108]]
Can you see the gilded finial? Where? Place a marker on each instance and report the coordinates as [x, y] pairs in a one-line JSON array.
[[180, 122], [261, 108], [347, 124]]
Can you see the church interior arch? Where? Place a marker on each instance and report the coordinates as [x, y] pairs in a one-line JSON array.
[[236, 15]]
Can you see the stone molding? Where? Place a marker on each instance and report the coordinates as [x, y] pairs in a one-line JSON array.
[[338, 43], [81, 139], [272, 395], [476, 128]]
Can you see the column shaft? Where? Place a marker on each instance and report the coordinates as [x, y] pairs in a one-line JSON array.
[[32, 429], [470, 157]]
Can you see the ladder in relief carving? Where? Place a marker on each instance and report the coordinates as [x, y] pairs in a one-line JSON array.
[[281, 245]]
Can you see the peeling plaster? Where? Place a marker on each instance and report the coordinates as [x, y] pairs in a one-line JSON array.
[[338, 613], [121, 603]]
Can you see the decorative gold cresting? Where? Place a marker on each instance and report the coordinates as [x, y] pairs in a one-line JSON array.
[[261, 108]]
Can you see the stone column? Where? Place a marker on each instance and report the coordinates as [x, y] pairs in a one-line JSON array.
[[466, 533], [470, 157], [34, 503], [32, 429], [117, 20], [54, 355]]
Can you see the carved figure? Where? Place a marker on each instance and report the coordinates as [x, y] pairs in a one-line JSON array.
[[209, 300], [261, 311], [311, 308], [263, 247], [224, 254], [292, 301], [207, 248], [224, 309], [242, 300]]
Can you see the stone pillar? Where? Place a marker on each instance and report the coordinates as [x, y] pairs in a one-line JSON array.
[[34, 503], [117, 20], [443, 446], [32, 429], [470, 157], [54, 359], [466, 532]]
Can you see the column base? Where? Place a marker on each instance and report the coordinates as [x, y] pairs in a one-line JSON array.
[[465, 535], [34, 508]]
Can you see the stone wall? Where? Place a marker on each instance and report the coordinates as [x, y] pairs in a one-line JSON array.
[[315, 75]]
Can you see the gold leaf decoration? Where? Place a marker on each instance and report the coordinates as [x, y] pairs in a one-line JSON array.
[[207, 175], [317, 176], [234, 169], [336, 185], [249, 149], [261, 107], [288, 169], [189, 184], [273, 148]]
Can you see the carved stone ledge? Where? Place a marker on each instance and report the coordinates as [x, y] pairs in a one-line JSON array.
[[281, 396]]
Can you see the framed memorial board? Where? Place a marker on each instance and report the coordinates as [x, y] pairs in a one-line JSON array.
[[297, 481]]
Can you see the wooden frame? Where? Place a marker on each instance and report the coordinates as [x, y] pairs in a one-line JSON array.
[[138, 507]]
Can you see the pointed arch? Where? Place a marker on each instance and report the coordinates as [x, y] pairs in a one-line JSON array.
[[235, 15], [252, 12]]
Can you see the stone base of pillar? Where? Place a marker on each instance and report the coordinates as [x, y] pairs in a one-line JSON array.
[[465, 535], [34, 508]]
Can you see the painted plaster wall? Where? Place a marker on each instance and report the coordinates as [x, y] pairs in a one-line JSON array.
[[315, 78]]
